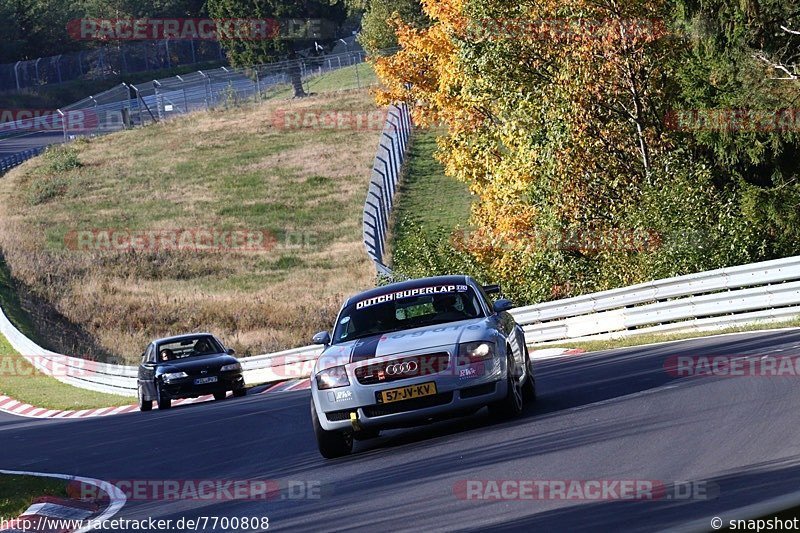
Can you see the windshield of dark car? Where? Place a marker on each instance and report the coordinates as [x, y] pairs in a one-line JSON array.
[[405, 310], [187, 347]]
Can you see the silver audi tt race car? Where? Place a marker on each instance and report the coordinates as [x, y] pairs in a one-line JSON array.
[[413, 352]]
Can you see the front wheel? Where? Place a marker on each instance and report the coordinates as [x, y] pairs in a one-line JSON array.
[[220, 395], [164, 402], [512, 405], [331, 444], [238, 393]]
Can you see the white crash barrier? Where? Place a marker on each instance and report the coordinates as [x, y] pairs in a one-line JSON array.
[[121, 379], [758, 292]]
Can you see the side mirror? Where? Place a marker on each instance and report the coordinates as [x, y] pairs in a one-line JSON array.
[[502, 305], [230, 351], [323, 337]]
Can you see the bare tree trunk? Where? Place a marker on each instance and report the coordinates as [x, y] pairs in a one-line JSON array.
[[297, 79]]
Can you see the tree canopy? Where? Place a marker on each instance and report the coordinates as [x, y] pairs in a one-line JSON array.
[[607, 142]]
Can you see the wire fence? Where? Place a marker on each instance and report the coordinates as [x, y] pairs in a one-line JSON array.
[[107, 61], [126, 106]]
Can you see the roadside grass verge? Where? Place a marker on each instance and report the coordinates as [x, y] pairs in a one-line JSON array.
[[303, 189], [18, 492], [21, 381], [11, 306], [602, 345], [428, 200]]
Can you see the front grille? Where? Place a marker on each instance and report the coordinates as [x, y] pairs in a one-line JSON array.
[[198, 372], [338, 416], [404, 368], [408, 405]]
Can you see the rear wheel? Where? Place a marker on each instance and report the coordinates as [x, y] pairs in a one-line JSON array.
[[144, 405], [164, 402], [512, 405], [220, 395], [331, 444]]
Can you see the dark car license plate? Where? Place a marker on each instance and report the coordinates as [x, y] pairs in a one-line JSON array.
[[204, 381]]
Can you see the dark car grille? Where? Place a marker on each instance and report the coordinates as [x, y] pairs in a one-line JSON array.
[[202, 372], [404, 368], [408, 405], [338, 416]]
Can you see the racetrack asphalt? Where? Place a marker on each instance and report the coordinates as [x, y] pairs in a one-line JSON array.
[[26, 141], [614, 415]]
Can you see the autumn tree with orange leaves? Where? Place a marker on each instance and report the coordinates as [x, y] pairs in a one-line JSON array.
[[560, 116]]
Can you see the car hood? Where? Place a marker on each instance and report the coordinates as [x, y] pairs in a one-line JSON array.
[[212, 361], [397, 342]]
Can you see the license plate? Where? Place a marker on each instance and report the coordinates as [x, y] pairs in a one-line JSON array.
[[203, 381], [407, 393]]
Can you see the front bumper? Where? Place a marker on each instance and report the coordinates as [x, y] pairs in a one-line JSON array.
[[186, 388], [459, 390]]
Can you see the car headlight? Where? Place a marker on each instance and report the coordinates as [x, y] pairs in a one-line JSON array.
[[174, 375], [231, 367], [332, 377], [470, 352]]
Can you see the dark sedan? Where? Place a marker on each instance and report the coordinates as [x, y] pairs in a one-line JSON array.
[[187, 366]]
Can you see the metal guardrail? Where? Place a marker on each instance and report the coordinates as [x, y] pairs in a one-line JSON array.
[[121, 379], [383, 183], [7, 163], [767, 291]]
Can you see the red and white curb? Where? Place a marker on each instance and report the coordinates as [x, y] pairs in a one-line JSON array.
[[286, 386], [51, 514], [13, 407]]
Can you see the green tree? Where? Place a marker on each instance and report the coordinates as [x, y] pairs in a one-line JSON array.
[[282, 46], [377, 33]]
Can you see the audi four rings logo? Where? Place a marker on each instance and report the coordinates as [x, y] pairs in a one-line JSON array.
[[409, 367]]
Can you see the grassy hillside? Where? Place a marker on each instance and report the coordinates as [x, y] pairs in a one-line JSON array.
[[220, 171]]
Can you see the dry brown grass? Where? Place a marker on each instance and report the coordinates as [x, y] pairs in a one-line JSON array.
[[229, 170]]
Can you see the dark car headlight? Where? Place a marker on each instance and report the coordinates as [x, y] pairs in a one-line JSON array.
[[333, 377], [471, 352], [231, 367], [170, 376]]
